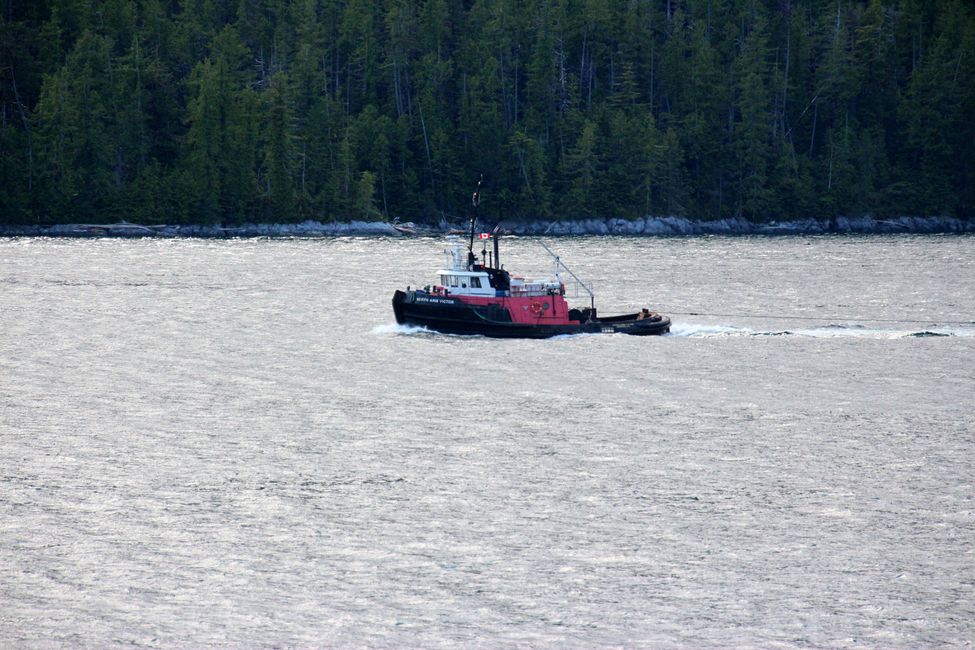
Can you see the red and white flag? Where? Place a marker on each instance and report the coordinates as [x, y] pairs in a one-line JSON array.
[[485, 235]]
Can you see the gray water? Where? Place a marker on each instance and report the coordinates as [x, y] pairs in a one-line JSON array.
[[230, 443]]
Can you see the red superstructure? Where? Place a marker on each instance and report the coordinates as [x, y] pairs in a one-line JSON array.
[[550, 309]]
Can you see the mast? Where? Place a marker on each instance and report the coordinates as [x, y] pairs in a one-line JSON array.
[[475, 200], [497, 255]]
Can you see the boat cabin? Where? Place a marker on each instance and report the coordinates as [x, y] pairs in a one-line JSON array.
[[466, 283], [463, 275]]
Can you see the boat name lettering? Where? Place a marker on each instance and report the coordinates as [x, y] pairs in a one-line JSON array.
[[436, 301]]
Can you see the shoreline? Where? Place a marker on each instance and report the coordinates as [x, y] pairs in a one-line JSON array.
[[648, 226]]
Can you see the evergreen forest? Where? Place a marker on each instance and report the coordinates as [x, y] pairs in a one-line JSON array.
[[234, 111]]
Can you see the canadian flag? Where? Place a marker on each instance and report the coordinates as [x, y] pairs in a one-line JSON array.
[[485, 235]]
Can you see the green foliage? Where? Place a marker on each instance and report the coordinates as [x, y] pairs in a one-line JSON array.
[[223, 111], [221, 143], [364, 205], [76, 135]]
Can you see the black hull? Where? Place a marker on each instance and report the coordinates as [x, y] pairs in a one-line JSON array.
[[452, 316]]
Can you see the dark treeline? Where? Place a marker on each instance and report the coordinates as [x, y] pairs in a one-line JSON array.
[[226, 111]]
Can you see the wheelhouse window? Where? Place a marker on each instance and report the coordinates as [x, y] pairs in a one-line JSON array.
[[453, 280], [476, 282]]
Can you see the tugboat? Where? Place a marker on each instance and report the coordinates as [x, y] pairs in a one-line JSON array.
[[478, 296]]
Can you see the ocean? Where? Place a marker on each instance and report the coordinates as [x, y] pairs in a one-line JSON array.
[[231, 443]]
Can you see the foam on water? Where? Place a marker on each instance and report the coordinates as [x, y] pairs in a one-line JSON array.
[[693, 330], [396, 328], [697, 330]]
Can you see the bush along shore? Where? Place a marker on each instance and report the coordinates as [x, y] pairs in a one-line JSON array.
[[648, 226]]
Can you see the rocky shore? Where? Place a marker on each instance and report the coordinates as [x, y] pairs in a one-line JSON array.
[[664, 226], [649, 226]]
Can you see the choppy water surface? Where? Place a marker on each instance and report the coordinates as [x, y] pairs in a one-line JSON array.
[[229, 443]]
